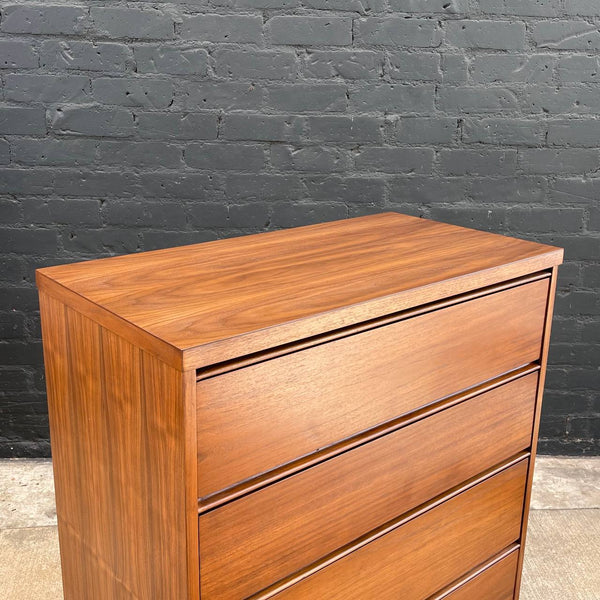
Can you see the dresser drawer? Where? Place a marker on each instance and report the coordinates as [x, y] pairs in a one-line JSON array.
[[269, 534], [428, 552], [254, 419], [497, 582]]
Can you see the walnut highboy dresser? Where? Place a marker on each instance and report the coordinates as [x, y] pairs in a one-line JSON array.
[[342, 411]]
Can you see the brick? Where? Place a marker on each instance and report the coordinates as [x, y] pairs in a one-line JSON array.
[[173, 61], [266, 187], [395, 160], [17, 55], [25, 181], [351, 190], [350, 129], [425, 130], [566, 35], [260, 127], [575, 190], [591, 273], [27, 241], [486, 219], [158, 154], [419, 189], [306, 97], [508, 68], [43, 19], [116, 122], [22, 120], [348, 64], [546, 220], [393, 98], [249, 64], [228, 157], [286, 214], [359, 6], [53, 152], [132, 23], [412, 66], [430, 6], [177, 126], [455, 68], [545, 160], [196, 186], [223, 28], [584, 8], [579, 69], [477, 99], [563, 100], [497, 35], [85, 56], [397, 31], [478, 162], [499, 132], [155, 240], [303, 30], [12, 380], [95, 183], [70, 211], [158, 214], [46, 88], [10, 211], [594, 221], [574, 132], [257, 3], [101, 241], [128, 91], [533, 8], [311, 158], [223, 96], [4, 152], [578, 302]]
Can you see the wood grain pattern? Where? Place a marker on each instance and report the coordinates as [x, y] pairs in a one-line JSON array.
[[227, 298], [536, 424], [118, 440], [261, 538], [494, 582], [429, 552], [254, 419]]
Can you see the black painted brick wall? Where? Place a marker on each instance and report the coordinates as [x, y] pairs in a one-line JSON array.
[[133, 126]]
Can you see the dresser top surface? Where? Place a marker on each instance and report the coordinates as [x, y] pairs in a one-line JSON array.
[[323, 276]]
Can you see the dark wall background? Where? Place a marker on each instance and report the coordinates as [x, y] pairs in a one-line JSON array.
[[134, 126]]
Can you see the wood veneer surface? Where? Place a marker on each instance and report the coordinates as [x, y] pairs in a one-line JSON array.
[[429, 552], [118, 457], [261, 538], [257, 418], [223, 299]]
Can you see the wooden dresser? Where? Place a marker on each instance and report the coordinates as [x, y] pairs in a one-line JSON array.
[[341, 411]]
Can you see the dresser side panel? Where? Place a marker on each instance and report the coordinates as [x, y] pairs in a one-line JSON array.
[[118, 429], [536, 424]]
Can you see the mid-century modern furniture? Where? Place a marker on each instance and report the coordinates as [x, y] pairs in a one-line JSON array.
[[342, 411]]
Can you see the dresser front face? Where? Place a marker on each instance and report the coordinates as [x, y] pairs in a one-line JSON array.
[[344, 411], [388, 462]]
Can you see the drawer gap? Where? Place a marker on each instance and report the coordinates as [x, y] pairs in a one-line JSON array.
[[222, 497], [386, 529], [258, 357]]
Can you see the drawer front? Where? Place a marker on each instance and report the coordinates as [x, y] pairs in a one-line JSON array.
[[497, 582], [252, 542], [257, 418], [429, 552]]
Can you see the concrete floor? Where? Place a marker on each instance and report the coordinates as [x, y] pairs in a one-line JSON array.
[[562, 561]]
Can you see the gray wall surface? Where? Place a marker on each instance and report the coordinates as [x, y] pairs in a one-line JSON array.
[[134, 126]]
